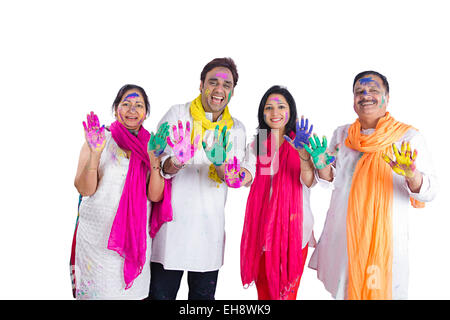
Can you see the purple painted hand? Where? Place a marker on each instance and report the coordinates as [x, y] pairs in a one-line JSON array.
[[182, 147], [95, 135], [302, 135], [233, 176]]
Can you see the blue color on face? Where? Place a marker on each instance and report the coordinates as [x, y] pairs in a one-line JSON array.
[[364, 81], [131, 96], [367, 80]]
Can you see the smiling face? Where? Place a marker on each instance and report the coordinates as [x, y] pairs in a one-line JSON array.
[[276, 112], [131, 110], [370, 99], [217, 90]]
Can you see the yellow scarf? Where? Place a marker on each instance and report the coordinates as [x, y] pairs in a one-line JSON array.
[[201, 124], [369, 213]]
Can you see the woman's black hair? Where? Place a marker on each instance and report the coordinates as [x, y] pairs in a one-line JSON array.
[[366, 73], [290, 125], [124, 89]]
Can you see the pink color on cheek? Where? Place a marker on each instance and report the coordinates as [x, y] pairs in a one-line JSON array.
[[286, 117]]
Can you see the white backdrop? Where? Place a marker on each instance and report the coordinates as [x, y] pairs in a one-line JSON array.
[[60, 60]]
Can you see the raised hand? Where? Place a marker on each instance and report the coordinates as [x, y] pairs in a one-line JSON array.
[[95, 135], [404, 164], [233, 176], [217, 154], [182, 147], [302, 135], [158, 141], [319, 152]]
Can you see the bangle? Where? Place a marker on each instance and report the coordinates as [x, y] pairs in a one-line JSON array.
[[177, 166]]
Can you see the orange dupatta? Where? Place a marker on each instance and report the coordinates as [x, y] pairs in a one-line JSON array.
[[369, 213]]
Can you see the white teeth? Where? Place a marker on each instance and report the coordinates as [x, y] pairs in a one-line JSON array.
[[217, 98]]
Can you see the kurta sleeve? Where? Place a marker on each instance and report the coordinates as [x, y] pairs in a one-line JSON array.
[[337, 136], [424, 164], [171, 117], [249, 162]]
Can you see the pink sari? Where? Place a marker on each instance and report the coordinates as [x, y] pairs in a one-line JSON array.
[[274, 225]]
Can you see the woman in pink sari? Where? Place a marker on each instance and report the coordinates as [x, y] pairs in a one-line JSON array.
[[278, 219], [118, 177]]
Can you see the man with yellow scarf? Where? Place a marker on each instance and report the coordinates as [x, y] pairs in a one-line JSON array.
[[362, 253], [194, 239]]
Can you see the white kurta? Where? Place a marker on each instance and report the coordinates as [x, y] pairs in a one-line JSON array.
[[330, 255], [98, 270], [308, 220], [195, 239]]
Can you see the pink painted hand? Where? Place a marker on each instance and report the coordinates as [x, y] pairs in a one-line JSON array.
[[404, 164], [182, 147], [95, 135], [233, 176]]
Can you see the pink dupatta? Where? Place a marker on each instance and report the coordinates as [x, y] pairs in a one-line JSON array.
[[128, 233], [162, 210], [274, 225]]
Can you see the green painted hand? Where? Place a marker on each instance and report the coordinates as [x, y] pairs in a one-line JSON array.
[[217, 154], [319, 152], [158, 141]]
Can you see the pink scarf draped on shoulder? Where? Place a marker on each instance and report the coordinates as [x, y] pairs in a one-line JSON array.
[[276, 224], [128, 233]]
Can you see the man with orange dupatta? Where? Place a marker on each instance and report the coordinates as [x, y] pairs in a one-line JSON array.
[[362, 253]]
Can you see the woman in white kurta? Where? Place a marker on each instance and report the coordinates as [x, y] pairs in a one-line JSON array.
[[101, 176], [331, 258]]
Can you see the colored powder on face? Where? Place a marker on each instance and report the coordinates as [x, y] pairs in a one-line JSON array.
[[222, 75], [207, 92], [275, 99], [229, 96], [131, 96], [365, 92], [286, 117], [382, 102], [120, 114], [367, 81]]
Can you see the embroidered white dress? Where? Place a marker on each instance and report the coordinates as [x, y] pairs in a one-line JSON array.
[[330, 255], [98, 270]]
